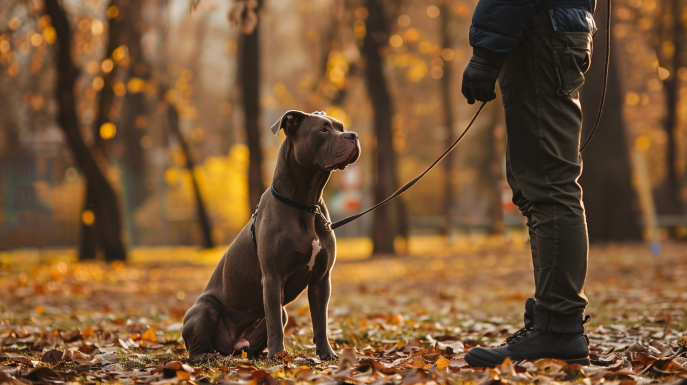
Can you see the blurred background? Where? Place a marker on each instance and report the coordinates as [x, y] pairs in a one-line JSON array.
[[131, 125]]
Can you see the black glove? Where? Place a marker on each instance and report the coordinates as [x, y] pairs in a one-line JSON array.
[[479, 80]]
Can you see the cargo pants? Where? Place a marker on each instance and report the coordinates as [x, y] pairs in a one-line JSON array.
[[539, 86]]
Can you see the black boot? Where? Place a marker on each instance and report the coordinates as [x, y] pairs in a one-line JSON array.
[[534, 342]]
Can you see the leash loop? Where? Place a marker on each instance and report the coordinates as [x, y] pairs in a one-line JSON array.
[[605, 83]]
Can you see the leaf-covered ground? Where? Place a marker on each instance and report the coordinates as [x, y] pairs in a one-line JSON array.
[[392, 320]]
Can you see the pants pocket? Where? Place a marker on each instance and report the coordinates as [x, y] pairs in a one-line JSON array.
[[572, 60]]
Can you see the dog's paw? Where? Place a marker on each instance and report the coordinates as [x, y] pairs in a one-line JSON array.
[[328, 356]]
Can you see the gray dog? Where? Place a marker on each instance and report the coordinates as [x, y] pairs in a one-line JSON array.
[[287, 246]]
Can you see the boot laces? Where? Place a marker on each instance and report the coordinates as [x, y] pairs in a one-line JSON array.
[[517, 335], [523, 332]]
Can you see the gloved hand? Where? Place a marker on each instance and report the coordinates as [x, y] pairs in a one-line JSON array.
[[479, 80]]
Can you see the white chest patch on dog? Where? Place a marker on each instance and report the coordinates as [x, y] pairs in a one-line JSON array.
[[315, 249]]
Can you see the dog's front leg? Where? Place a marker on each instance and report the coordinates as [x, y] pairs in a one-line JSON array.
[[272, 289], [318, 297]]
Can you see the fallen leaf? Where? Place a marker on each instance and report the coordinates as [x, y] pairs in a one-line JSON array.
[[149, 335], [347, 359], [184, 375], [418, 362], [41, 374], [261, 377], [52, 357], [88, 332], [443, 362], [283, 356]]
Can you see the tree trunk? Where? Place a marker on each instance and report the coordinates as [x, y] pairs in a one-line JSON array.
[[447, 105], [106, 229], [386, 222], [672, 204], [609, 198], [105, 99], [203, 220], [249, 73], [134, 106]]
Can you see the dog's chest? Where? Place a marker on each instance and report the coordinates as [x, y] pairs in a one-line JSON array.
[[321, 250]]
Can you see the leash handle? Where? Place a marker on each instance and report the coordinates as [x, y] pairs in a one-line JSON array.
[[605, 84], [414, 180]]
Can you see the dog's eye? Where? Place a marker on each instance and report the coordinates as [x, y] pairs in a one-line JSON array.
[[324, 129]]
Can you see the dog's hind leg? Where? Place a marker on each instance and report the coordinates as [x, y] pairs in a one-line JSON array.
[[257, 339], [207, 330]]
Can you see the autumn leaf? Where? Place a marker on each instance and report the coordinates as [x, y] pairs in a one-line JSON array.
[[182, 374], [52, 357], [283, 356], [149, 335], [41, 374], [418, 362], [88, 332], [443, 362]]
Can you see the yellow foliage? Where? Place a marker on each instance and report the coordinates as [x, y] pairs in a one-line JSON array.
[[135, 85], [417, 71], [223, 183], [339, 114], [108, 130], [112, 12], [88, 217]]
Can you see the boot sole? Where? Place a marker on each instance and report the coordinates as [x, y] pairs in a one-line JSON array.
[[476, 362]]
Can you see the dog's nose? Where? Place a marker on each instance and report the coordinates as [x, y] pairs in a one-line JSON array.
[[350, 135]]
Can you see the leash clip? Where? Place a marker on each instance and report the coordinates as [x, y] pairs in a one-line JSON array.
[[327, 223]]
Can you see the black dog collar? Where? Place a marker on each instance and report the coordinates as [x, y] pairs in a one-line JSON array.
[[315, 209]]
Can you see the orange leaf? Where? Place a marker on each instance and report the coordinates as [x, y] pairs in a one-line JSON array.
[[184, 375], [443, 362], [88, 331], [418, 362], [149, 335]]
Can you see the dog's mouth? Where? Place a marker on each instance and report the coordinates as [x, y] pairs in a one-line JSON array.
[[349, 157]]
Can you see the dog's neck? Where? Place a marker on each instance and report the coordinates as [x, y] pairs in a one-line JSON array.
[[293, 181]]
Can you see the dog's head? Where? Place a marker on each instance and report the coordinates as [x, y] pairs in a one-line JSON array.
[[319, 141]]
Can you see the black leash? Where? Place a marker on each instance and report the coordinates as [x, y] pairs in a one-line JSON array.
[[415, 180], [605, 85]]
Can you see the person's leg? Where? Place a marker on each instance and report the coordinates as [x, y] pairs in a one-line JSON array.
[[544, 121], [524, 206], [539, 84]]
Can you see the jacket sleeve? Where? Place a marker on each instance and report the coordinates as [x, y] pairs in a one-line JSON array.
[[497, 26]]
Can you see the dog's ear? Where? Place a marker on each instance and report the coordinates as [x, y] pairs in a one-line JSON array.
[[287, 119]]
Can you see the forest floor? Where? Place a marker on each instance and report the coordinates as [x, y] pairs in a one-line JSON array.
[[400, 320]]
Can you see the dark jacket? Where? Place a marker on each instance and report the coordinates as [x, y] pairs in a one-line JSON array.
[[498, 25]]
